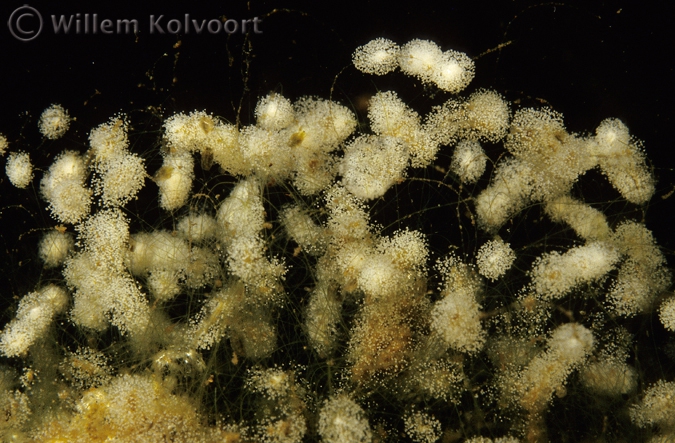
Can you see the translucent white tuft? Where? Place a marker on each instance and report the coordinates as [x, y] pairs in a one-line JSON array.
[[451, 71], [667, 314], [121, 179], [421, 59], [174, 179], [109, 140], [468, 161], [371, 165], [657, 406], [63, 187], [342, 420], [3, 145], [454, 72], [198, 227], [19, 169], [54, 122], [554, 274], [274, 112], [378, 56], [494, 258], [456, 320], [572, 341], [422, 427], [34, 315], [54, 247]]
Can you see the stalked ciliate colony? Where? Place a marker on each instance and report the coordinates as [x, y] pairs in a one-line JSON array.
[[281, 311]]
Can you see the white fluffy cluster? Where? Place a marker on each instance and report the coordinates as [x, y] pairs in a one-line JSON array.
[[35, 314], [371, 165], [301, 228], [642, 275], [390, 117], [379, 56], [54, 247], [422, 427], [198, 228], [104, 291], [468, 161], [174, 179], [657, 407], [274, 112], [622, 160], [483, 116], [342, 420], [323, 314], [54, 122], [588, 223], [609, 376], [667, 314], [3, 144], [450, 70], [293, 141], [63, 187], [241, 217], [121, 178], [568, 347], [273, 383], [108, 140], [19, 169], [456, 317], [494, 258], [217, 314], [554, 274]]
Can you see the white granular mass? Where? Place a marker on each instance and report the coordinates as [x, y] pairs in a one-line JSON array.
[[468, 161], [378, 56], [342, 420], [371, 165], [421, 59], [54, 122], [555, 274], [68, 166], [456, 320], [389, 115], [70, 202], [106, 237], [407, 249], [451, 71], [454, 72], [667, 314], [35, 313], [487, 116], [422, 427], [198, 227], [19, 169], [174, 179], [657, 407], [63, 187], [123, 176], [494, 259], [54, 247], [274, 112], [109, 140], [3, 144]]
